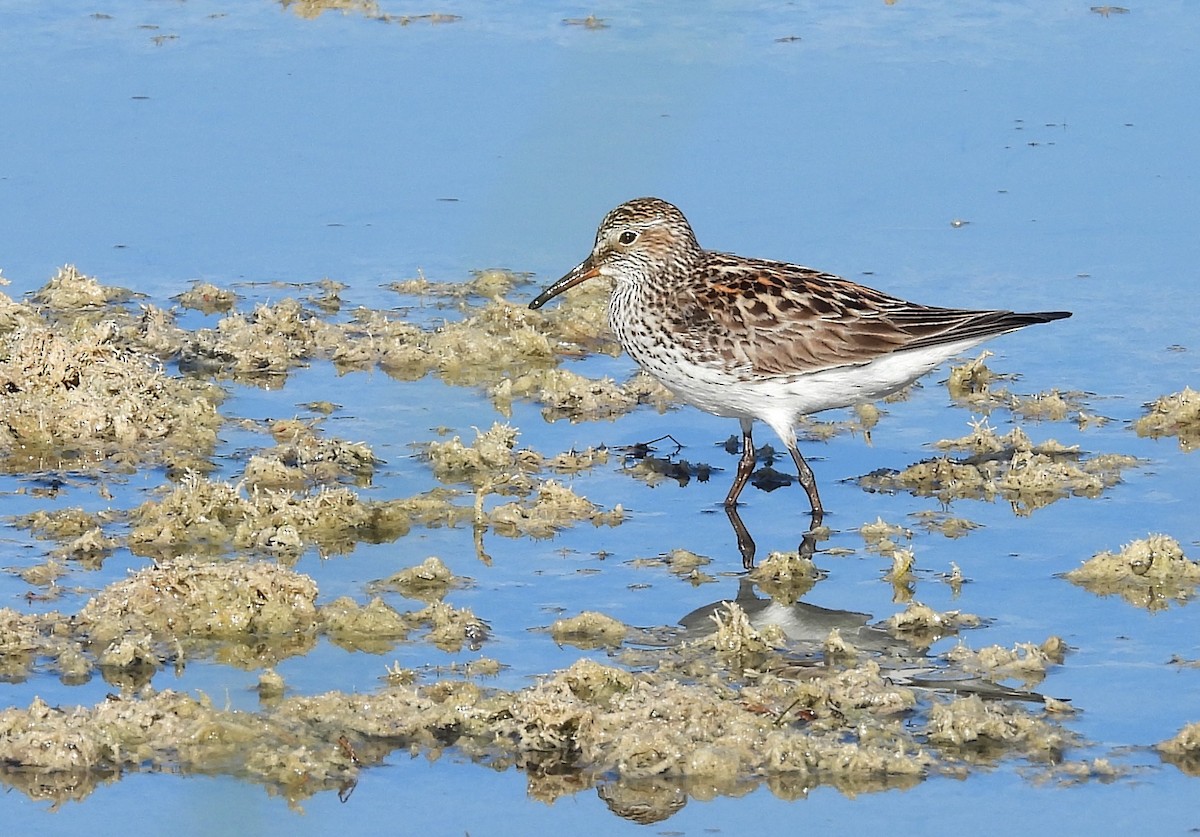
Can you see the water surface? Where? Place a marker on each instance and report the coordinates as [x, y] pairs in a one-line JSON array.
[[264, 146]]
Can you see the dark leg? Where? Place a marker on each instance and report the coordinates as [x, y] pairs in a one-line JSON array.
[[745, 466], [810, 485]]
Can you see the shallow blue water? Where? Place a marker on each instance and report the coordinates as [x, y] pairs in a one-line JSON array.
[[261, 146]]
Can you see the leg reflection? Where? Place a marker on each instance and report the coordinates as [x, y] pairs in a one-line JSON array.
[[744, 541], [746, 546]]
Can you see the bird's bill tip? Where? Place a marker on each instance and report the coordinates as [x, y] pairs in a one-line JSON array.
[[580, 273]]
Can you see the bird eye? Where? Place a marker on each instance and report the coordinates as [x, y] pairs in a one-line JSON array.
[[628, 237]]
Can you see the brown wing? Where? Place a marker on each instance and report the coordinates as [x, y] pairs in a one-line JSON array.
[[772, 318]]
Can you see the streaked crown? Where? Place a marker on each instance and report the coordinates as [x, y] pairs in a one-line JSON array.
[[644, 238]]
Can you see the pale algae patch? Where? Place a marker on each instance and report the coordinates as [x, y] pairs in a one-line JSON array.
[[1183, 749], [1177, 414], [742, 712], [1011, 467], [1024, 662], [429, 581], [1150, 573], [922, 626], [589, 630], [972, 385], [76, 395], [493, 465], [208, 298], [726, 706], [368, 9], [786, 576], [199, 515]]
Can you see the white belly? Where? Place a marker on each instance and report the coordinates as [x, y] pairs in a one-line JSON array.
[[780, 401]]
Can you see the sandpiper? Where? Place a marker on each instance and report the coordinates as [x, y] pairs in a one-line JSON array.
[[758, 339]]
